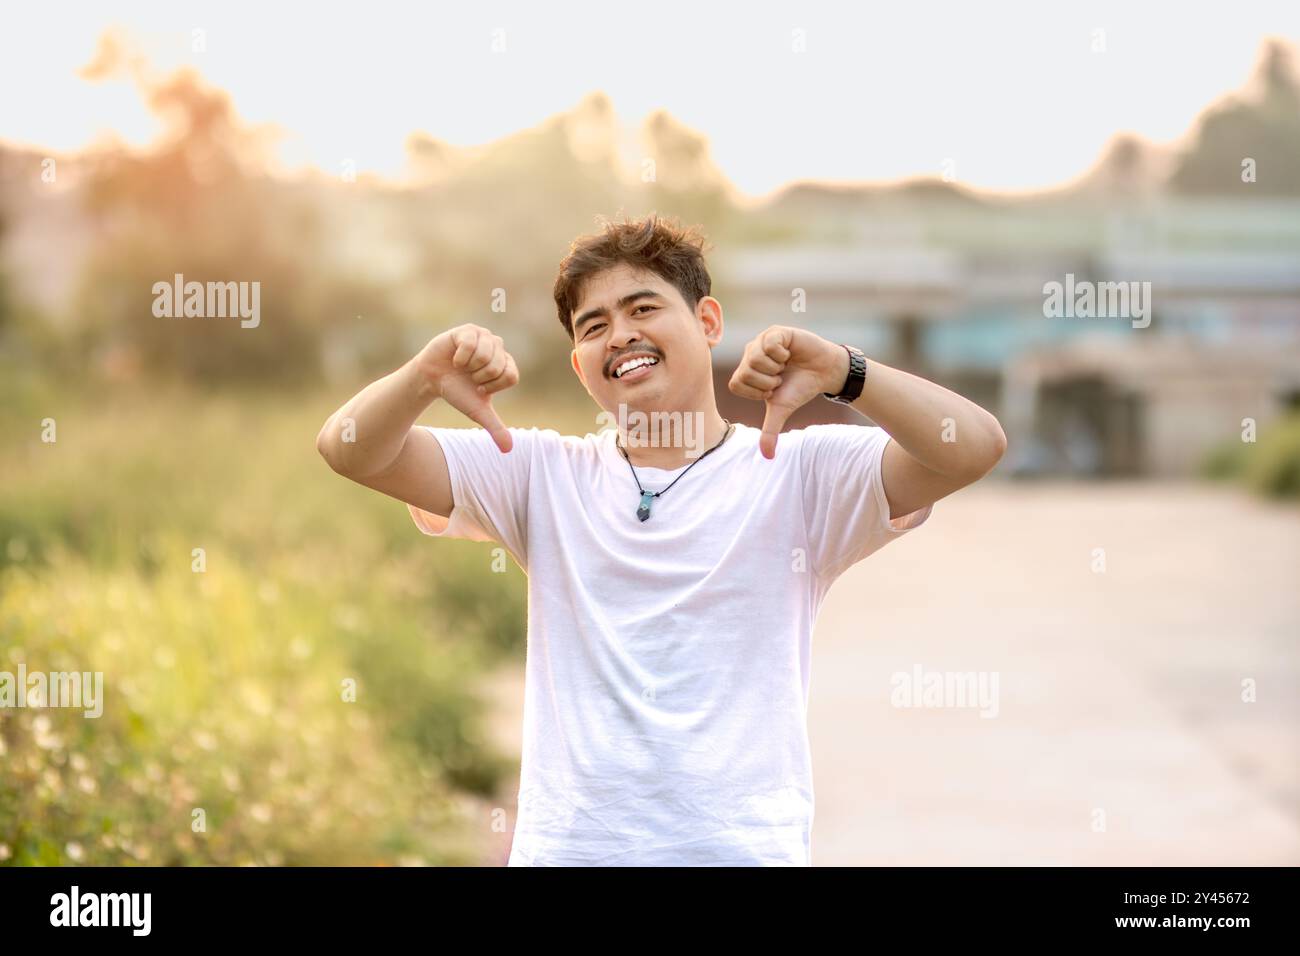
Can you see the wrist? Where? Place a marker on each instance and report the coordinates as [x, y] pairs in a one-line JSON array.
[[420, 380], [852, 366], [837, 373]]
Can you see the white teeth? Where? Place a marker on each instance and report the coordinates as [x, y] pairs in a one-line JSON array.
[[634, 364]]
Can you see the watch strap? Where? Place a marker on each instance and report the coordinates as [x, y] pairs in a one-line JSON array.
[[854, 381]]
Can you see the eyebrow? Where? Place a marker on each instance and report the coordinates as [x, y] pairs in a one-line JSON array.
[[621, 304]]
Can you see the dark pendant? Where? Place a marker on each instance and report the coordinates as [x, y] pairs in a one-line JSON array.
[[643, 510]]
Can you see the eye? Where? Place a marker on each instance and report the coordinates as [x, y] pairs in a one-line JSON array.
[[640, 307], [592, 328]]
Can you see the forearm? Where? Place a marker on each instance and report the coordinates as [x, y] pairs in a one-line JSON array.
[[942, 430], [366, 435]]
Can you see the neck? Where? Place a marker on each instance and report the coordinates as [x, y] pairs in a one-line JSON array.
[[670, 440]]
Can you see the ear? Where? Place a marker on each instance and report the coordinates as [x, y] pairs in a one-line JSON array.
[[577, 369], [709, 311]]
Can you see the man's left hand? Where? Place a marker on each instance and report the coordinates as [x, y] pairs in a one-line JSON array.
[[786, 368]]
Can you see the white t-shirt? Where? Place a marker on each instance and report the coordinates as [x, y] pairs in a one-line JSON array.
[[667, 673]]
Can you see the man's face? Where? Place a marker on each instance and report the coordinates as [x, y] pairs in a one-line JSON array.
[[626, 314]]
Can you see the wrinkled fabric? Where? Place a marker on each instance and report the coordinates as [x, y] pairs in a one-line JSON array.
[[667, 669]]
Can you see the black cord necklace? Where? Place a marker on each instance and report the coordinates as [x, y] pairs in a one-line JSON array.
[[643, 509]]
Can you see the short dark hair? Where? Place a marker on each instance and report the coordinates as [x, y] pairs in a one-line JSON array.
[[652, 243]]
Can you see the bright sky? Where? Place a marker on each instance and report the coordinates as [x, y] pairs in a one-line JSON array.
[[1011, 92]]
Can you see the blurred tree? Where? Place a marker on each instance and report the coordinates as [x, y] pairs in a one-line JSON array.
[[200, 205], [687, 183], [1264, 127]]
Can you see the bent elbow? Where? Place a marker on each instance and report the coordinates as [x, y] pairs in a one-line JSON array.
[[326, 449], [999, 444], [996, 449]]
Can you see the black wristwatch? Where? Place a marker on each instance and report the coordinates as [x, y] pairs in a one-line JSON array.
[[857, 376]]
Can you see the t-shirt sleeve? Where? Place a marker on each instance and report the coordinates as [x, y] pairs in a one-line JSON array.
[[489, 489], [845, 507]]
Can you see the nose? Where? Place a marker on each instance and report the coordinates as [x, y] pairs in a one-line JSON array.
[[624, 334], [625, 338]]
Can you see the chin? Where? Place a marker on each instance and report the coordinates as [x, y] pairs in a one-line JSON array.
[[650, 400]]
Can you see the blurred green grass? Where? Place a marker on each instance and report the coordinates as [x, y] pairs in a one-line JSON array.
[[223, 688], [1269, 466]]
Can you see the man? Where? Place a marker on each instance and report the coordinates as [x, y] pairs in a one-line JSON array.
[[672, 585]]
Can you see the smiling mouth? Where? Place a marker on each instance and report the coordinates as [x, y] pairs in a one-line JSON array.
[[634, 369]]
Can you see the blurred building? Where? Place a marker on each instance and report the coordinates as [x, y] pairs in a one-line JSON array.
[[955, 292]]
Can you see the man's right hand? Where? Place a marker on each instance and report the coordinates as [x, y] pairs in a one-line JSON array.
[[465, 366]]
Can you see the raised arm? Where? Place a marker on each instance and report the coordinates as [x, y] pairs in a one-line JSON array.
[[373, 440], [940, 441]]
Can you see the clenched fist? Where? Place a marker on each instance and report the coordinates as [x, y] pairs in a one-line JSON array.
[[466, 366], [787, 368]]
